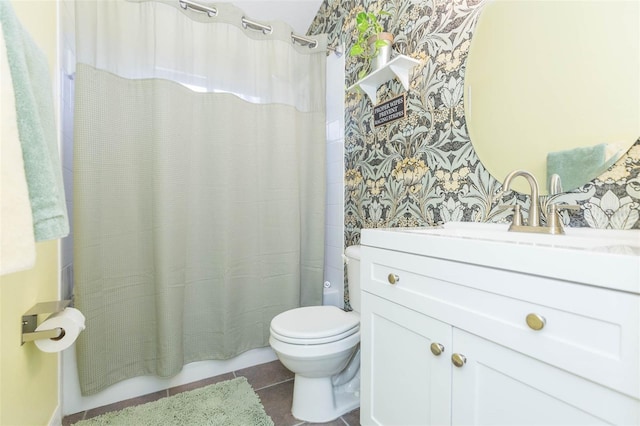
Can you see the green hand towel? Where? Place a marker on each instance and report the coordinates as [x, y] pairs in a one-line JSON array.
[[579, 165], [36, 128]]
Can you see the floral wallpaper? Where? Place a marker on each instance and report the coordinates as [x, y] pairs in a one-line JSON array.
[[422, 170]]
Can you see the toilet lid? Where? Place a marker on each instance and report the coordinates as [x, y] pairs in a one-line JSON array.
[[314, 325]]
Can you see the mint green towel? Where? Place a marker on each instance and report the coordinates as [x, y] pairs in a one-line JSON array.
[[578, 166], [36, 128]]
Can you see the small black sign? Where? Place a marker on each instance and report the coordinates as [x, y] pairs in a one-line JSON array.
[[389, 111]]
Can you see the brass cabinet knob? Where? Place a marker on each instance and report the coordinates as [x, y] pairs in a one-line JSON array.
[[393, 278], [536, 322], [437, 349], [458, 360]]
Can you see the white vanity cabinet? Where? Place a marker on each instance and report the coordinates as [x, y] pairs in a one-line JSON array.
[[402, 382], [581, 366]]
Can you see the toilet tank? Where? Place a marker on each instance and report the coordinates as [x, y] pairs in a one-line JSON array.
[[353, 276]]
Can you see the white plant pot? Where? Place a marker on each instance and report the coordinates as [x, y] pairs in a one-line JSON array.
[[384, 53]]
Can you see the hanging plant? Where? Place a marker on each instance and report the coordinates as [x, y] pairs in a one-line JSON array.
[[372, 38]]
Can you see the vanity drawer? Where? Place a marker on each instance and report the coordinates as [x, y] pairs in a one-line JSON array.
[[589, 331]]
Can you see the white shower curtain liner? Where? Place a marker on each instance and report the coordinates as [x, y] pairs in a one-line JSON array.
[[158, 39], [198, 185]]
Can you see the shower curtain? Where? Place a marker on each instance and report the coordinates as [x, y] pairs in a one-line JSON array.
[[198, 185]]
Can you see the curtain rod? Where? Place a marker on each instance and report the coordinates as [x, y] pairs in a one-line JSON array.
[[248, 23]]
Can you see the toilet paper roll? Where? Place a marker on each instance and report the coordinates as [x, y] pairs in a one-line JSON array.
[[70, 320], [76, 315]]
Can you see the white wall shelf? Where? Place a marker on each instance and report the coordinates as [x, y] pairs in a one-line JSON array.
[[397, 67]]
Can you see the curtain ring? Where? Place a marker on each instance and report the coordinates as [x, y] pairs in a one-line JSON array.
[[186, 4], [247, 23]]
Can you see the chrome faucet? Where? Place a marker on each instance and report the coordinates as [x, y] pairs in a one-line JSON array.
[[534, 209], [554, 224]]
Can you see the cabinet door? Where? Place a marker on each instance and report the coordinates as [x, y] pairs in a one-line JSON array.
[[403, 382], [500, 386]]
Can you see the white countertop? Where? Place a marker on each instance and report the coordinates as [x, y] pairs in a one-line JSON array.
[[603, 258]]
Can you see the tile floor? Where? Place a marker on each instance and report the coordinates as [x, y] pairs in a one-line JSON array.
[[272, 382]]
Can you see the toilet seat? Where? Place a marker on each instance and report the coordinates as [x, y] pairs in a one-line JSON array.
[[314, 325]]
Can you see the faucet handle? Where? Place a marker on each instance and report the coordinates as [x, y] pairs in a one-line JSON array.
[[553, 218], [517, 216], [517, 220]]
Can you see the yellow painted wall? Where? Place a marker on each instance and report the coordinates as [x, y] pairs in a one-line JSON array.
[[28, 377]]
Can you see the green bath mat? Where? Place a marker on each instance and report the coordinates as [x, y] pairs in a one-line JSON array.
[[228, 403]]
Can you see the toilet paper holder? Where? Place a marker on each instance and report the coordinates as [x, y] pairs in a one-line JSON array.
[[30, 321]]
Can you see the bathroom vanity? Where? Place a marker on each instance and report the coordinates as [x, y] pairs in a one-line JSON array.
[[471, 324]]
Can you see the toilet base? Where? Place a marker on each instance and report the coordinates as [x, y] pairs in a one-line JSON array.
[[316, 400]]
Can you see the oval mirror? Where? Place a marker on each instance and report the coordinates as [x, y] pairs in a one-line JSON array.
[[554, 82]]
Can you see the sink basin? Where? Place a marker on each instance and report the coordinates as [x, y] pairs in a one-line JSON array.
[[575, 238]]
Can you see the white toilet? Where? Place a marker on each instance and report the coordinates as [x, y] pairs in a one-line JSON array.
[[321, 345]]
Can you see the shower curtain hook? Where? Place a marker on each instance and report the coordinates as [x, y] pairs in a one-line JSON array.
[[186, 4]]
